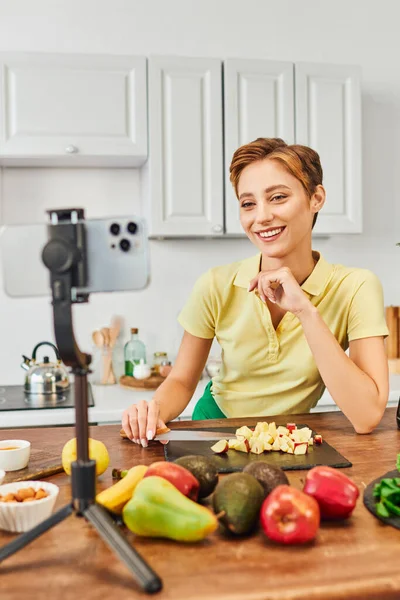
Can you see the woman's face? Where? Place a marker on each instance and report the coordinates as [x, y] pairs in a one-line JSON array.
[[275, 211]]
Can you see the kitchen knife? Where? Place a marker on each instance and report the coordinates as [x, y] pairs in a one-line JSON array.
[[192, 435], [188, 435]]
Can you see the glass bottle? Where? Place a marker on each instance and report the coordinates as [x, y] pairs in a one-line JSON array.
[[134, 350]]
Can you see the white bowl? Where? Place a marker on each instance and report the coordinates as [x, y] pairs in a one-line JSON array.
[[2, 475], [14, 460], [22, 516]]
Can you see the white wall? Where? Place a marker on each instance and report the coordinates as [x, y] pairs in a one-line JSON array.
[[363, 32]]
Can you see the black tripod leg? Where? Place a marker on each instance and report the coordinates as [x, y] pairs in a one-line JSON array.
[[111, 534], [26, 538]]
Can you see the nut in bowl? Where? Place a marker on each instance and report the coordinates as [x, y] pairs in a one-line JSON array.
[[24, 504], [14, 454]]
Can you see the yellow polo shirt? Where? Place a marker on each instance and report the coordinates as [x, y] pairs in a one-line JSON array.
[[268, 372]]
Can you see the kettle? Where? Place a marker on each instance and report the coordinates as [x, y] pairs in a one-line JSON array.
[[45, 377]]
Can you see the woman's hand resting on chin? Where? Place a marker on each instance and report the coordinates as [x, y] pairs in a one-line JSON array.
[[281, 288]]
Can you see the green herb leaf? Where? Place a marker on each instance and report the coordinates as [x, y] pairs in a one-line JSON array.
[[388, 488], [391, 507], [382, 511]]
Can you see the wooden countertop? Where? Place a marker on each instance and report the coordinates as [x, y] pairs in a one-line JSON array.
[[354, 559]]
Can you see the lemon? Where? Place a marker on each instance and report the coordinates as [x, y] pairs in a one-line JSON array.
[[97, 452]]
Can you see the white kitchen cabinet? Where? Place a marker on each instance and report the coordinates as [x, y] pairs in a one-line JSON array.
[[328, 118], [73, 110], [258, 102], [183, 178]]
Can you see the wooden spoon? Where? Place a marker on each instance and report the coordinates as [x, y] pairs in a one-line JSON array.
[[116, 323], [115, 329], [105, 331], [98, 338], [106, 335]]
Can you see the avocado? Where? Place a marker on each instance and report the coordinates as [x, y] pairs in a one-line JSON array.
[[269, 477], [237, 501], [203, 469]]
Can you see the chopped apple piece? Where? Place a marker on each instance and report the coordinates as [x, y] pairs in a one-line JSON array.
[[296, 435], [242, 445], [245, 432], [266, 438], [291, 426], [254, 440], [290, 443], [283, 445], [261, 427], [257, 447], [285, 438], [301, 447], [220, 447], [282, 430], [290, 451], [232, 442], [318, 439], [272, 429], [267, 447], [276, 445], [305, 434], [311, 441]]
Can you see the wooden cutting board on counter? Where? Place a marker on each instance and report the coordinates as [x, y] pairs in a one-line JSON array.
[[233, 461], [36, 471], [152, 383]]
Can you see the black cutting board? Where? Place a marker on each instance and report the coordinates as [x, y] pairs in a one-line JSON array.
[[232, 460], [370, 501]]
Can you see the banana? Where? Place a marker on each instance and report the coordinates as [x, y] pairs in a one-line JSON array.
[[115, 497]]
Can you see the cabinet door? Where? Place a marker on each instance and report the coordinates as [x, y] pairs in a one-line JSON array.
[[328, 118], [258, 100], [73, 110], [183, 179]]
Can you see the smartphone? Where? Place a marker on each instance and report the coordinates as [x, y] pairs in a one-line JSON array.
[[117, 257]]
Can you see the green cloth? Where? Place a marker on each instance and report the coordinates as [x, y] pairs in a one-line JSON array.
[[206, 407]]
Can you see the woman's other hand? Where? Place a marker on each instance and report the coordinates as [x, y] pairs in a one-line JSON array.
[[281, 288], [140, 421]]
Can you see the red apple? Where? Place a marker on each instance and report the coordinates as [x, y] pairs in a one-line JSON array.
[[180, 477], [287, 516]]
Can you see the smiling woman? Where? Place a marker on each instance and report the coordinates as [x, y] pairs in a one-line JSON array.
[[284, 318]]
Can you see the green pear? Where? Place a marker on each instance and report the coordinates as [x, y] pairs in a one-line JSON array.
[[158, 509]]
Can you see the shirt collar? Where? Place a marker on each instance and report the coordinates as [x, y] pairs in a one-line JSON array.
[[314, 284]]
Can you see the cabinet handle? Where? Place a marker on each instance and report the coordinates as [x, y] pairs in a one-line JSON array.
[[217, 228], [71, 149]]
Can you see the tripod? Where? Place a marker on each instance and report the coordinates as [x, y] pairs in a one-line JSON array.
[[65, 256]]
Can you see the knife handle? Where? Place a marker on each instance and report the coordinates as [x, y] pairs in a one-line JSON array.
[[159, 431]]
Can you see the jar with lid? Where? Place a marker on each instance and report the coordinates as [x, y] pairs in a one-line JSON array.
[[165, 368], [158, 358]]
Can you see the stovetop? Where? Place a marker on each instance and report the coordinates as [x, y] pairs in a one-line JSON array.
[[14, 397]]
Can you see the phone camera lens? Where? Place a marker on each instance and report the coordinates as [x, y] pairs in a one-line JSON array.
[[132, 227], [115, 229], [125, 245]]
